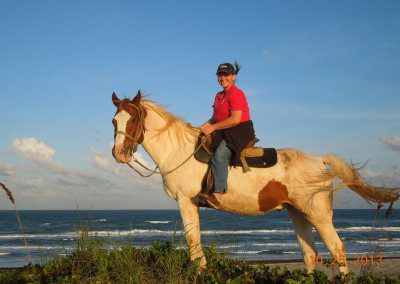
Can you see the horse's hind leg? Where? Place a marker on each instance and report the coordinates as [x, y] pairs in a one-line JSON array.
[[305, 237], [322, 222]]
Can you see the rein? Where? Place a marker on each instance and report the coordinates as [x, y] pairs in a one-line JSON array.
[[166, 172], [135, 138]]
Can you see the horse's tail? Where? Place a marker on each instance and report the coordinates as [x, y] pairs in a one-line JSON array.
[[352, 179]]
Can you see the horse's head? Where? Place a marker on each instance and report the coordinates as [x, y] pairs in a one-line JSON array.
[[128, 127]]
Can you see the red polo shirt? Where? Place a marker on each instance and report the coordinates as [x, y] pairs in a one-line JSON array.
[[233, 99]]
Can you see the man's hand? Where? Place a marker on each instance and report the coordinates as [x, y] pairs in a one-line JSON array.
[[208, 129], [207, 123]]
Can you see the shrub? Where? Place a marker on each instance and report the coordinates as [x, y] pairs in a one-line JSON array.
[[105, 261]]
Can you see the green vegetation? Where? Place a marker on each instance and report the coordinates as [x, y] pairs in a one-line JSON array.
[[96, 260]]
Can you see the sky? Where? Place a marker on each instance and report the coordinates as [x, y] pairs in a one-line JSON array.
[[321, 77]]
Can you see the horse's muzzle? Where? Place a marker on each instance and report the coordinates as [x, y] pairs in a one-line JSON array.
[[122, 155]]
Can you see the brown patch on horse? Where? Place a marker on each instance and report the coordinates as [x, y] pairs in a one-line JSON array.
[[272, 195]]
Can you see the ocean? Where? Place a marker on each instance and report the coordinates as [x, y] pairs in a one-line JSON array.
[[267, 237]]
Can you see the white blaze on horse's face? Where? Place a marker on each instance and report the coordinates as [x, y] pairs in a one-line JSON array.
[[122, 119]]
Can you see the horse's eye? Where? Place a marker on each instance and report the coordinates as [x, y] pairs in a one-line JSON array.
[[133, 120]]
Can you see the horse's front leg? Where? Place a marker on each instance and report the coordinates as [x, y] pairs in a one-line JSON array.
[[191, 223]]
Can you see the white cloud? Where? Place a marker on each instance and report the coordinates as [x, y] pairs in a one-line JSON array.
[[27, 183], [126, 175], [392, 143], [90, 178], [38, 153], [6, 170], [101, 162], [43, 182], [30, 147], [104, 160], [69, 182], [389, 179], [100, 159], [266, 53]]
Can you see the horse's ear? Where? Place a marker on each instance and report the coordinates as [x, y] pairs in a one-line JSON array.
[[115, 99], [137, 98]]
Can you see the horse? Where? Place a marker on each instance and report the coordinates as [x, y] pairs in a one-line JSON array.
[[300, 183]]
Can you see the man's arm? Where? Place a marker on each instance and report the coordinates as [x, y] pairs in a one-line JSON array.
[[234, 119]]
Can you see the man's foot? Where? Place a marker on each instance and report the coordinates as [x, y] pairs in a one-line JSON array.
[[213, 201], [218, 196]]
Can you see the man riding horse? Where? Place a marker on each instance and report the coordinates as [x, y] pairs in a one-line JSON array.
[[233, 127]]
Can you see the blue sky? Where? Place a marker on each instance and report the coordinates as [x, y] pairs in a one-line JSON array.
[[320, 77]]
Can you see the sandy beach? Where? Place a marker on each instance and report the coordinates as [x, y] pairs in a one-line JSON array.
[[390, 266]]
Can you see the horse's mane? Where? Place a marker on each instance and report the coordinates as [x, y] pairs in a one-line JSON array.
[[174, 124]]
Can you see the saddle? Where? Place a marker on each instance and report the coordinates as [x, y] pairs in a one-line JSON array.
[[251, 156]]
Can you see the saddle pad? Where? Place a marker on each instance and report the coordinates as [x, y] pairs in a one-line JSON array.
[[269, 159]]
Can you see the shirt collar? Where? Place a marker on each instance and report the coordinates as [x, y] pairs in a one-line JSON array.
[[229, 90]]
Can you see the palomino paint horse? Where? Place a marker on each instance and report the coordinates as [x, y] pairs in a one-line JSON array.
[[299, 182]]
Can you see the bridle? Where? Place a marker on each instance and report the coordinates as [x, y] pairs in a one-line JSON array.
[[140, 128], [137, 139]]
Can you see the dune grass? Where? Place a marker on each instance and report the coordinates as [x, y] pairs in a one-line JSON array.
[[99, 260], [12, 200]]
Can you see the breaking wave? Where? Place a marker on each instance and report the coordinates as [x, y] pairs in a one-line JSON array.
[[72, 235], [367, 229], [158, 222]]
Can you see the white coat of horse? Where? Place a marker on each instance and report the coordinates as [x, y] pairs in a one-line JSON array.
[[300, 183]]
